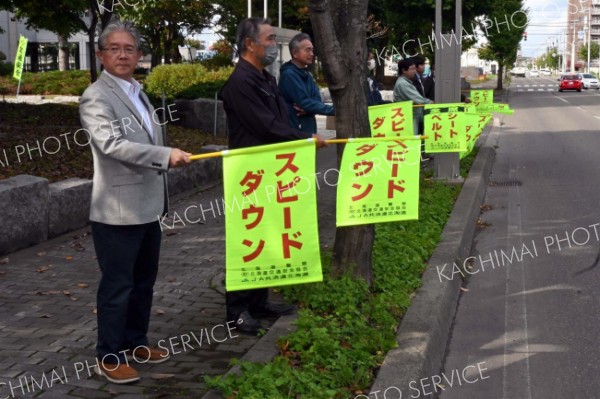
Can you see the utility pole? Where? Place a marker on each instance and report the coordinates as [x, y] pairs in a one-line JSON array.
[[589, 38], [564, 60], [573, 51], [446, 166]]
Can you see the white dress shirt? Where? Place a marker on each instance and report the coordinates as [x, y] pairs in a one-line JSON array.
[[133, 91]]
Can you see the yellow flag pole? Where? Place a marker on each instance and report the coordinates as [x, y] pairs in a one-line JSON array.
[[330, 141]]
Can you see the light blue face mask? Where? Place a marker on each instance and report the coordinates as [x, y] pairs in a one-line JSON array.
[[270, 55]]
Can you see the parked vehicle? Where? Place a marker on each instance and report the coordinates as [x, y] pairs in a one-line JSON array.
[[589, 81], [570, 82], [545, 72], [533, 73]]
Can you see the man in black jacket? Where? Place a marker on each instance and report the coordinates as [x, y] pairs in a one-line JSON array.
[[256, 115], [418, 79]]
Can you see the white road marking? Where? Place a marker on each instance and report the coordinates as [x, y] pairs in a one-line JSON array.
[[515, 310]]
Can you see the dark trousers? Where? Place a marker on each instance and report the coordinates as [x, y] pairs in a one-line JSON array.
[[240, 301], [128, 258]]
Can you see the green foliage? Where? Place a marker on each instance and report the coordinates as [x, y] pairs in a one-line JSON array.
[[185, 81], [503, 43], [65, 83], [550, 59], [594, 51], [162, 24], [345, 328], [61, 17], [409, 27], [218, 61], [6, 68]]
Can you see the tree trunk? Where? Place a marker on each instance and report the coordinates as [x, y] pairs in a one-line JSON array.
[[340, 34], [104, 17], [91, 32], [500, 72], [63, 53], [155, 49]]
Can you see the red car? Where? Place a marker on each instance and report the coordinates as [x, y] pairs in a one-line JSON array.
[[570, 82]]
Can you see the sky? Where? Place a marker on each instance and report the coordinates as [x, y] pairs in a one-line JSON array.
[[547, 20]]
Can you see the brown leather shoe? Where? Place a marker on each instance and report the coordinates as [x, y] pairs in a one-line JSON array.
[[117, 373], [143, 354]]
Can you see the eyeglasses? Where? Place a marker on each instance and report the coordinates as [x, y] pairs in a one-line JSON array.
[[117, 50]]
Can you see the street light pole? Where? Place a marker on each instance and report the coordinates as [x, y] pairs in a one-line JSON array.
[[573, 51], [589, 38]]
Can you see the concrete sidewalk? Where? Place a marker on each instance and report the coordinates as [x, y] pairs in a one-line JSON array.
[[48, 321]]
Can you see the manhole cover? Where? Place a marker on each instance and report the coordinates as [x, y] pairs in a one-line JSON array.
[[504, 183]]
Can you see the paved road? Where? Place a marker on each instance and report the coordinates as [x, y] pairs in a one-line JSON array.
[[527, 326], [47, 302]]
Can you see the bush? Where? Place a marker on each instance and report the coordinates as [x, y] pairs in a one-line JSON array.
[[6, 68], [68, 83], [185, 81], [217, 62]]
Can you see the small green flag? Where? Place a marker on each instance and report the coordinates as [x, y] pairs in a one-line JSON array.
[[20, 58], [272, 234], [482, 96], [474, 127], [392, 120], [495, 107], [379, 181], [445, 128]]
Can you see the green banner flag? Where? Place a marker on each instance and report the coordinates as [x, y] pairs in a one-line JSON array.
[[482, 96], [474, 125], [379, 181], [481, 122], [20, 58], [392, 120], [495, 107], [272, 235], [471, 124], [445, 128]]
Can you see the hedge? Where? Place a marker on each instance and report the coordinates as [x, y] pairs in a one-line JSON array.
[[185, 81]]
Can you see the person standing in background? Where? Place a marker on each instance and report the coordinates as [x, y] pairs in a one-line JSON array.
[[404, 90], [298, 87], [374, 96], [256, 115]]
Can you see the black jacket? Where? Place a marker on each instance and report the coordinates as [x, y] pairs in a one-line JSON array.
[[256, 112], [418, 83], [429, 86]]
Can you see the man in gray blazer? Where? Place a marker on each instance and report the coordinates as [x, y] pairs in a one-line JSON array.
[[129, 195]]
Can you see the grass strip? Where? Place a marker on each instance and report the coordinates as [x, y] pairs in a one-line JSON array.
[[345, 328]]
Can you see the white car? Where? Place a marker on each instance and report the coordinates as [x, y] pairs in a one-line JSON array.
[[518, 72], [589, 81], [545, 72], [534, 74]]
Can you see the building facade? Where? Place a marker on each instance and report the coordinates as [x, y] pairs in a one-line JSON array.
[[583, 24], [42, 48]]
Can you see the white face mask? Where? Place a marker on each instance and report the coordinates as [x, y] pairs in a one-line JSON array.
[[371, 64]]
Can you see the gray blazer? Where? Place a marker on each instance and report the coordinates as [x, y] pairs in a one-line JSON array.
[[130, 169]]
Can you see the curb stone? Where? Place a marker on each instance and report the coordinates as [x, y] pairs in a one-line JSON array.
[[423, 333]]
